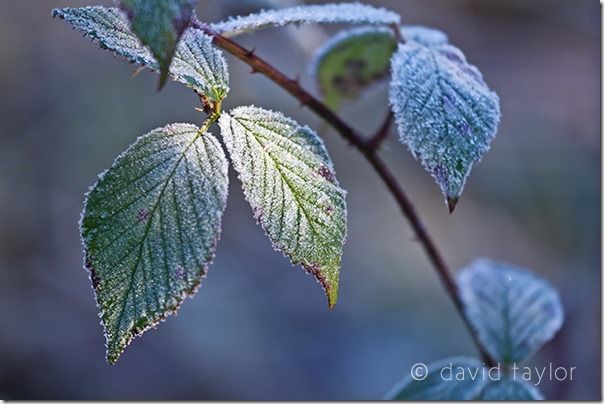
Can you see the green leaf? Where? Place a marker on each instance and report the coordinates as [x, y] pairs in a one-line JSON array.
[[513, 311], [354, 59], [445, 113], [159, 24], [150, 227], [289, 181], [351, 61], [509, 389], [197, 63], [352, 13], [456, 378]]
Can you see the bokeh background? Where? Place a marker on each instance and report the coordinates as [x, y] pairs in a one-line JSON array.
[[259, 328]]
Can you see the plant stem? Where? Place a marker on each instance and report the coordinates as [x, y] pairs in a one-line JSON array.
[[369, 150]]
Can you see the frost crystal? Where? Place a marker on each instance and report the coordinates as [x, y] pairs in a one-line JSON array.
[[513, 311], [288, 179], [354, 13], [196, 63], [150, 227], [445, 113]]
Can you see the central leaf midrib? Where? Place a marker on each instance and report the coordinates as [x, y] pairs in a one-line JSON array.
[[283, 177], [148, 227]]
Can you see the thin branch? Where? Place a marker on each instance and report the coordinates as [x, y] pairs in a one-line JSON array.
[[354, 138], [376, 140]]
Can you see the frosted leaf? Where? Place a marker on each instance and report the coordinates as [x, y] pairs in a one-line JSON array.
[[445, 113], [353, 13], [438, 381], [197, 63], [429, 37], [159, 24], [510, 389], [354, 59], [150, 227], [288, 179], [513, 311], [351, 61]]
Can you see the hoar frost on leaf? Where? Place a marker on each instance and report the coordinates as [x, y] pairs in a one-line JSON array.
[[159, 24], [196, 63], [513, 311], [289, 181], [150, 226], [354, 59], [354, 13], [445, 113]]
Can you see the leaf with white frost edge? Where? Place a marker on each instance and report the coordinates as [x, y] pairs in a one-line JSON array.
[[440, 382], [352, 13], [289, 181], [150, 227], [354, 59], [509, 389], [513, 311], [197, 63], [159, 24], [445, 113]]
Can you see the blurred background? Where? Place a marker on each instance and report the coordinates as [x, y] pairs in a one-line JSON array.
[[259, 328]]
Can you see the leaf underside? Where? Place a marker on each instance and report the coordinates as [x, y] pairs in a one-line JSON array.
[[513, 311], [353, 13], [196, 63], [150, 227], [445, 113], [441, 383], [289, 181], [510, 389], [159, 24]]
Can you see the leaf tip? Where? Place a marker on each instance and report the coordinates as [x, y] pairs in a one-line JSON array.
[[163, 78], [452, 203]]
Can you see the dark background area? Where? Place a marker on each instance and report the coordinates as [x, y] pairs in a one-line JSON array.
[[259, 328]]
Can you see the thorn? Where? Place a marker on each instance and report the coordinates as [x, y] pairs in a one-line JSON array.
[[451, 203], [137, 71], [253, 70], [199, 109], [250, 53]]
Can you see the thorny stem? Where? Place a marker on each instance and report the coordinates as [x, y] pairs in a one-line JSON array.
[[369, 151]]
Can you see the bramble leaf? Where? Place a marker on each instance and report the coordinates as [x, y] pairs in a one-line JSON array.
[[150, 227], [289, 181], [445, 113], [456, 378], [353, 13], [197, 63], [513, 311], [354, 59], [425, 36], [351, 61], [159, 24], [509, 389]]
